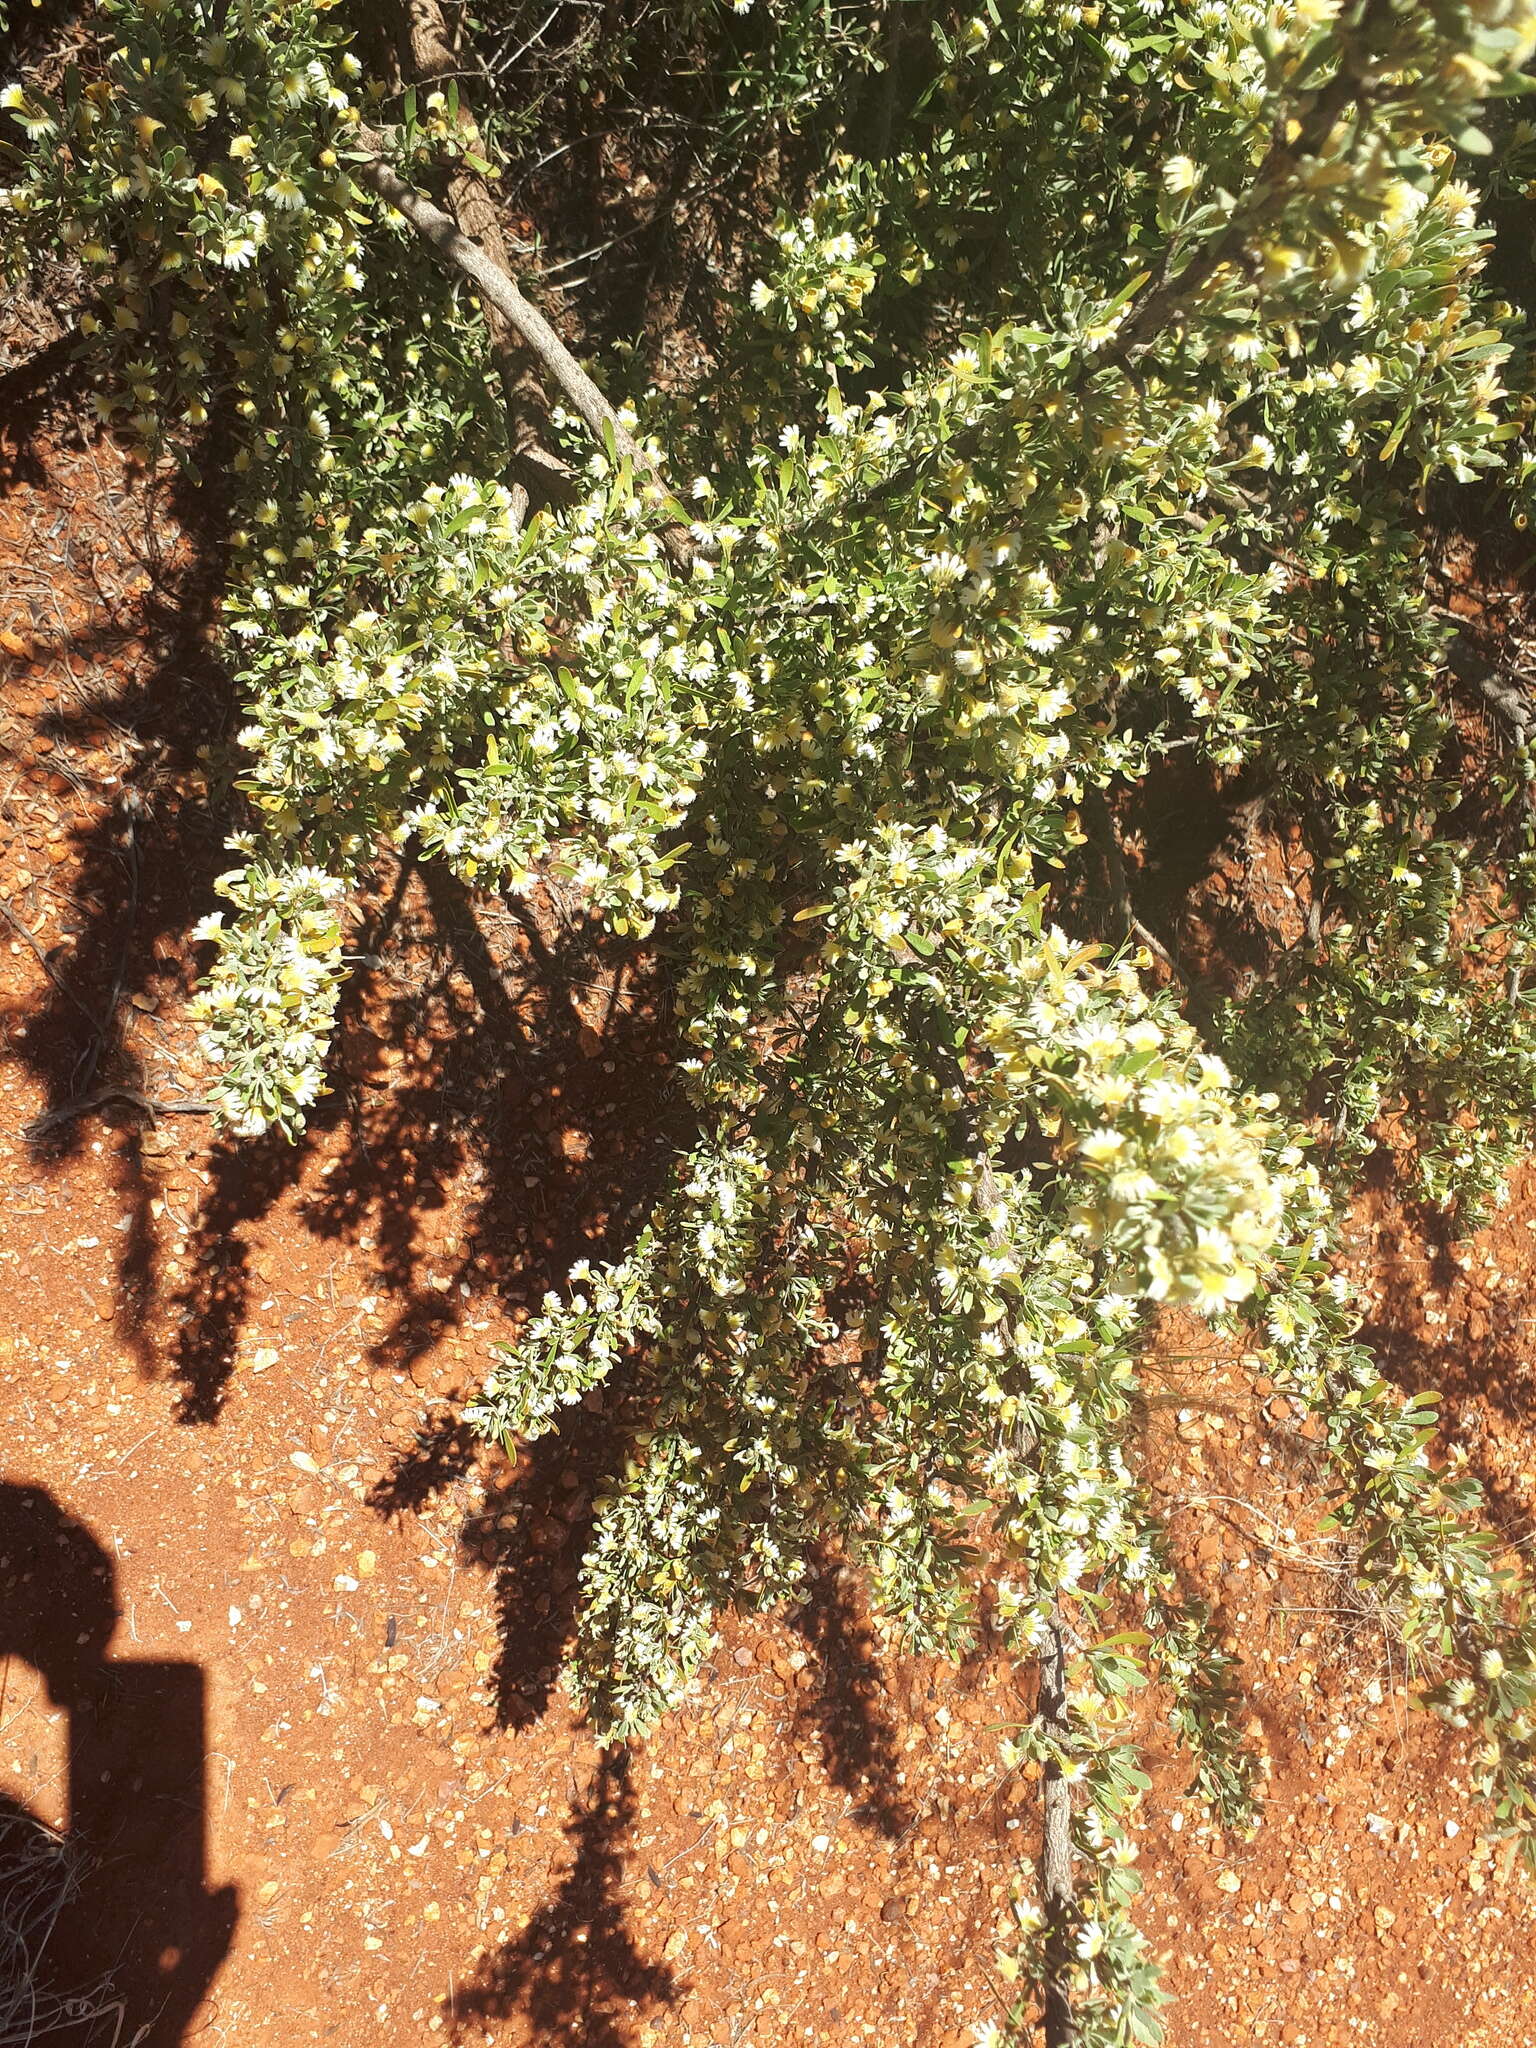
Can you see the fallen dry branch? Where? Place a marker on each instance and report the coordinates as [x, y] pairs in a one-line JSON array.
[[85, 1105]]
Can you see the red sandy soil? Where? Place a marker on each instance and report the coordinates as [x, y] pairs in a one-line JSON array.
[[280, 1642]]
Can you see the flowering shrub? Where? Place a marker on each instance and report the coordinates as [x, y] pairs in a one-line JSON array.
[[1081, 432]]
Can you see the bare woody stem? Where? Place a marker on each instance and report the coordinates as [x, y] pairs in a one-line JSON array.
[[426, 47], [1275, 182], [1057, 1891], [1056, 1887], [498, 290]]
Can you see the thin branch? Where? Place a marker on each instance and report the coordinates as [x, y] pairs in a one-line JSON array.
[[1276, 182], [497, 289], [1100, 819], [1169, 294], [1056, 1888], [431, 59], [1468, 667], [47, 965], [85, 1105]]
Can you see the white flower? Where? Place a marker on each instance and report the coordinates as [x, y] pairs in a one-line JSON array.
[[1362, 307], [1181, 174], [1099, 1147], [1363, 374], [36, 125]]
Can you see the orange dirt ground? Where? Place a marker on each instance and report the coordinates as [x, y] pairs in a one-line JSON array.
[[279, 1641]]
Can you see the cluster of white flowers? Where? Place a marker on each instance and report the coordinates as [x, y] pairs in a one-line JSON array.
[[572, 1345], [823, 270], [267, 1008]]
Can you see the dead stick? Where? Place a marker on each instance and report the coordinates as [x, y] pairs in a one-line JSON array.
[[47, 965], [152, 1105]]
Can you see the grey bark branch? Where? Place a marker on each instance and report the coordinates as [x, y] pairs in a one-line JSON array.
[[1056, 1888], [1275, 183], [1171, 293], [428, 45], [1057, 1892], [497, 289], [1100, 820], [1468, 667]]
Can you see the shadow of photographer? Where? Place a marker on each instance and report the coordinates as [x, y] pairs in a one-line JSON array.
[[108, 1930]]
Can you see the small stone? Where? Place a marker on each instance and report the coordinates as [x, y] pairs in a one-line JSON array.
[[1229, 1881]]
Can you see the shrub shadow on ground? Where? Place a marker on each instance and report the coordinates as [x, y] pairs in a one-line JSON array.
[[1453, 1317], [499, 1108], [112, 700], [574, 1970], [108, 1931]]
